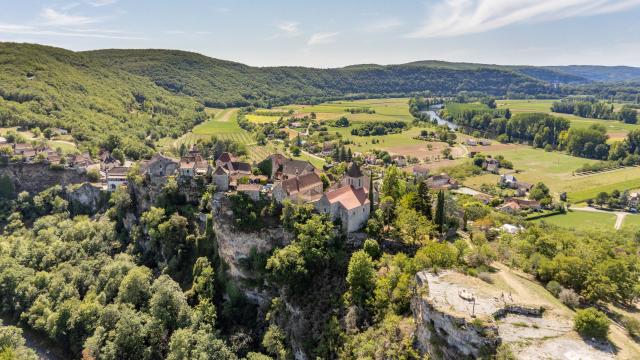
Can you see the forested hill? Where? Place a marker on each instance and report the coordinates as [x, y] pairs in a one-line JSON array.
[[600, 73], [46, 86], [223, 83]]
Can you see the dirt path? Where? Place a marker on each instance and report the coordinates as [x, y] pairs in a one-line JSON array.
[[225, 116], [620, 215], [533, 293]]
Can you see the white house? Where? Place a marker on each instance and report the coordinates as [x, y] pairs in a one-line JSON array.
[[116, 177]]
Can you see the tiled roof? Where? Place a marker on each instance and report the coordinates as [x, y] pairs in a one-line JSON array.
[[225, 157], [300, 183], [349, 197], [248, 187], [220, 171], [241, 167], [297, 167], [118, 171]]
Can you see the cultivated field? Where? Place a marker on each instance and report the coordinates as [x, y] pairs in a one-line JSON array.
[[556, 171], [222, 124], [385, 110]]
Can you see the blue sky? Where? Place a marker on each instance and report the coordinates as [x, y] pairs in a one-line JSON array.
[[334, 33]]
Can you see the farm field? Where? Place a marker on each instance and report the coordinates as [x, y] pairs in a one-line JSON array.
[[631, 222], [385, 110], [556, 171], [223, 124], [617, 130], [262, 119], [581, 220]]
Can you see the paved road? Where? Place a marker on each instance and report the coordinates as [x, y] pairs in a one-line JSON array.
[[620, 215]]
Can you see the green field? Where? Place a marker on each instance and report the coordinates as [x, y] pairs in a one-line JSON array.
[[262, 119], [555, 169], [385, 110], [222, 124], [616, 129], [581, 220], [631, 222]]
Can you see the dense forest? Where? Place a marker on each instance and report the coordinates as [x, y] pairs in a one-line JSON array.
[[144, 95], [46, 87]]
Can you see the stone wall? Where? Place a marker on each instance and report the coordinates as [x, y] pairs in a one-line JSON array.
[[35, 178]]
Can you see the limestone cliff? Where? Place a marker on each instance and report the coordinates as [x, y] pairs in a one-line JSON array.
[[234, 245], [462, 317], [37, 177]]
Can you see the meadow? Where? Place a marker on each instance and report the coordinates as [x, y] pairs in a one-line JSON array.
[[581, 220], [556, 169], [392, 109], [617, 130]]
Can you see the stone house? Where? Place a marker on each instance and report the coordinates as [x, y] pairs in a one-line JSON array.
[[306, 187], [508, 180], [292, 168], [442, 182], [116, 177], [491, 165], [193, 164], [420, 171], [221, 178], [399, 160], [348, 203], [252, 190], [159, 167]]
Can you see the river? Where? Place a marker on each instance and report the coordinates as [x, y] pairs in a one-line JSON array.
[[44, 347], [432, 112]]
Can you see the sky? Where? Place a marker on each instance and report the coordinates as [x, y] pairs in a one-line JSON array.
[[333, 33]]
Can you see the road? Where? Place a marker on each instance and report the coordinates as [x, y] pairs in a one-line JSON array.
[[620, 215]]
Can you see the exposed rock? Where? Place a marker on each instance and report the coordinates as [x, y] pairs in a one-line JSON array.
[[86, 198], [36, 177], [235, 245], [459, 316]]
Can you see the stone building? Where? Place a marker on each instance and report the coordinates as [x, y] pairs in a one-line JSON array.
[[307, 187], [350, 202]]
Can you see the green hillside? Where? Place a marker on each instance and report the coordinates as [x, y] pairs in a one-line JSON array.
[[221, 83], [46, 86]]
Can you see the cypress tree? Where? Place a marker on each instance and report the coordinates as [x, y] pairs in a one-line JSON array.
[[439, 220], [372, 206], [424, 200]]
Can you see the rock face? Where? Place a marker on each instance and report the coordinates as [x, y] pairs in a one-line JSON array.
[[86, 198], [35, 178], [446, 334], [462, 317], [234, 246]]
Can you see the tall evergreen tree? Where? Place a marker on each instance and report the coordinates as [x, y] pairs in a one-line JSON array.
[[439, 220], [371, 198], [423, 203], [349, 155]]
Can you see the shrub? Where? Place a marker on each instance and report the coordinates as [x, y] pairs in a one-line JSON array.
[[486, 277], [632, 325], [591, 323], [569, 298], [372, 248], [554, 287]]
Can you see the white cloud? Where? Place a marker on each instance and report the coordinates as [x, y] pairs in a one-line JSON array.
[[99, 3], [322, 38], [459, 17], [53, 17], [290, 27], [78, 33], [383, 25]]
